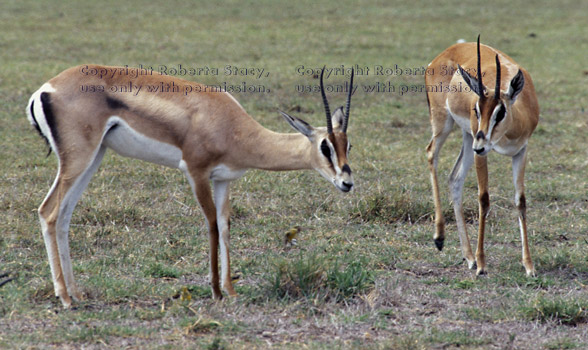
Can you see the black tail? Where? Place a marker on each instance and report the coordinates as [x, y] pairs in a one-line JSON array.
[[36, 125]]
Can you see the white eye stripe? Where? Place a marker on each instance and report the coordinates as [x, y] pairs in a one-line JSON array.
[[493, 120]]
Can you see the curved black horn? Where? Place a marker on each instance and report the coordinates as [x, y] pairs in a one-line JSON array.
[[348, 103], [326, 103], [497, 89], [480, 85]]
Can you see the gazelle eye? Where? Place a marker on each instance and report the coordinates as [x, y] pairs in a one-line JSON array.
[[477, 114], [325, 150]]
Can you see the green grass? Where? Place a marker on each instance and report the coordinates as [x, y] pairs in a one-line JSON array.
[[313, 277], [365, 273], [566, 311]]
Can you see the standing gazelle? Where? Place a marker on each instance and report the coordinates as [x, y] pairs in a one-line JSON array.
[[500, 119], [199, 129]]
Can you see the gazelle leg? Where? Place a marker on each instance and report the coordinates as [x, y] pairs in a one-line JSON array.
[[518, 173], [55, 215], [456, 181], [221, 198], [201, 187], [484, 206], [440, 133]]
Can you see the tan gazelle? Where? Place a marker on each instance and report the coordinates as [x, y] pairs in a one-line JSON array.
[[199, 129], [500, 119]]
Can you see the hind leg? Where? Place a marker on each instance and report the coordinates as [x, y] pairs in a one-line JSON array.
[[221, 199], [518, 171], [55, 215]]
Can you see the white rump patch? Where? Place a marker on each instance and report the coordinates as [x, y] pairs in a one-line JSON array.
[[39, 114]]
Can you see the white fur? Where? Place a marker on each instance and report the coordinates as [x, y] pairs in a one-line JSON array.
[[462, 121], [128, 142], [68, 204], [222, 172], [221, 197], [40, 115]]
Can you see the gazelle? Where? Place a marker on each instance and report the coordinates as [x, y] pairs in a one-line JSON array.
[[198, 129], [500, 119]]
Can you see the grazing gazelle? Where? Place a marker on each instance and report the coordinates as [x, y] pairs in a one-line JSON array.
[[199, 129], [500, 119]]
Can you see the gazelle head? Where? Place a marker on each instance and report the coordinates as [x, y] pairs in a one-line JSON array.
[[330, 147], [491, 116]]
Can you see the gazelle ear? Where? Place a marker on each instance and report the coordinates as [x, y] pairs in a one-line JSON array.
[[300, 125], [516, 86], [337, 118], [471, 81]]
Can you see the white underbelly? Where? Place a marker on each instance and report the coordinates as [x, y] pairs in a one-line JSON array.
[[128, 142], [222, 172], [461, 121]]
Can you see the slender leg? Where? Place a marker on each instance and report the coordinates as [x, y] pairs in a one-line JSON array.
[[456, 181], [518, 173], [440, 133], [484, 206], [221, 198], [55, 215], [200, 185]]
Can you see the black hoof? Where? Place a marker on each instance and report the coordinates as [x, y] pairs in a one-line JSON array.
[[439, 243]]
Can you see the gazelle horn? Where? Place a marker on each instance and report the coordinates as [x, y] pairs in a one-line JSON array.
[[326, 103], [497, 88], [480, 85], [348, 104]]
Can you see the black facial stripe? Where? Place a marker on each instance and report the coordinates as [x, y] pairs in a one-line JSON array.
[[500, 114], [326, 151], [346, 169]]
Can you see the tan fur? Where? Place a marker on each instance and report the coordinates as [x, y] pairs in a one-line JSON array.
[[509, 137], [210, 133]]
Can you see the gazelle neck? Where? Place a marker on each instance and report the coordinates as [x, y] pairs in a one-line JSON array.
[[269, 150]]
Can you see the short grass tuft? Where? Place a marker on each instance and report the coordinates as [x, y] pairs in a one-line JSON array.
[[565, 311]]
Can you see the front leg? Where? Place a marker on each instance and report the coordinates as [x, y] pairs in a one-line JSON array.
[[441, 125], [223, 211], [200, 185], [518, 174], [484, 206], [456, 181]]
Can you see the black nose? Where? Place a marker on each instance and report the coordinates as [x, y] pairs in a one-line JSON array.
[[479, 151], [347, 186]]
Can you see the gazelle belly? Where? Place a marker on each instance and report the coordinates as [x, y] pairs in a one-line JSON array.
[[128, 142]]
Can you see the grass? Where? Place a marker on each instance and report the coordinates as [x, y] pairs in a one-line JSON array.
[[313, 277], [365, 273], [566, 311]]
